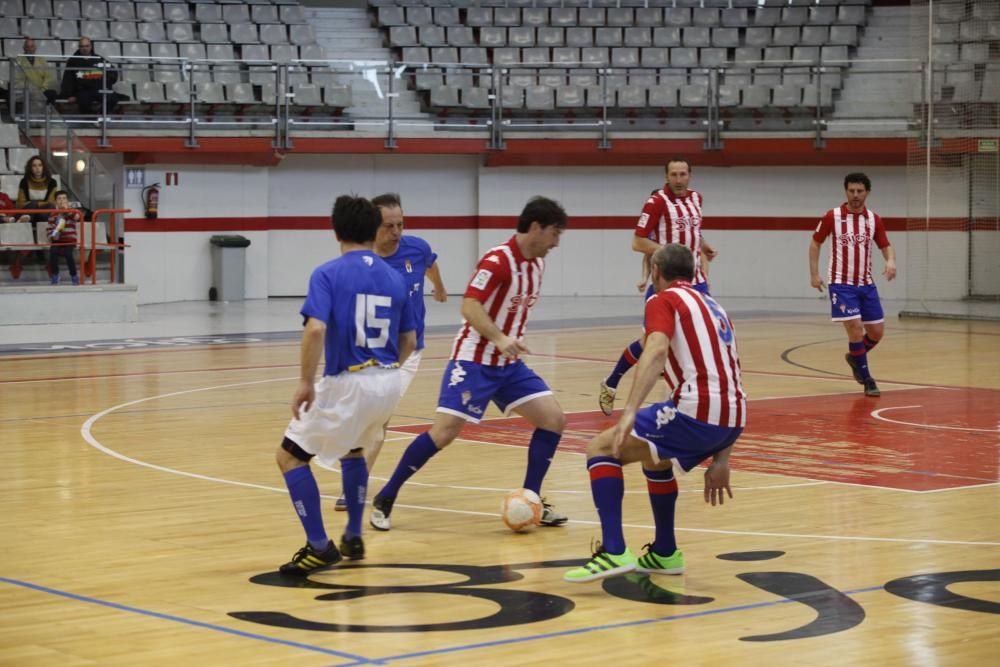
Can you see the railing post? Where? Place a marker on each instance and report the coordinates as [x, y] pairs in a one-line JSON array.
[[192, 140], [605, 143], [818, 142], [712, 141], [497, 136], [102, 141], [390, 139]]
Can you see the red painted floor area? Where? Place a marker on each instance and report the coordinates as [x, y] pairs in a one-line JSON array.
[[920, 439]]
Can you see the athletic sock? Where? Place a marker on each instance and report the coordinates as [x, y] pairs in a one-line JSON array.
[[305, 499], [355, 482], [662, 489], [416, 455], [869, 343], [608, 488], [629, 358], [860, 358], [541, 449]]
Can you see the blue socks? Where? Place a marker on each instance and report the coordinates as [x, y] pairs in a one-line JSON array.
[[860, 358], [629, 358], [608, 488], [305, 499], [416, 455], [662, 489], [541, 449], [355, 480]]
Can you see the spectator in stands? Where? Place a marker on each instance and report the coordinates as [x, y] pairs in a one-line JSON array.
[[34, 71], [37, 189], [86, 74], [61, 232], [6, 204]]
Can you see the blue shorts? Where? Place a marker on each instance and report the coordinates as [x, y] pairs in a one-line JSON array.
[[674, 436], [468, 387], [849, 302]]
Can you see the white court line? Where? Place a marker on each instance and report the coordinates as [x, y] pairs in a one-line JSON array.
[[877, 414], [86, 433]]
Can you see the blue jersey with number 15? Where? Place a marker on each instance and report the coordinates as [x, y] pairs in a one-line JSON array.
[[365, 306]]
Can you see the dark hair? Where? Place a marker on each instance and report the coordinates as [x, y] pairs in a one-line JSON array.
[[60, 192], [46, 174], [388, 200], [678, 158], [674, 261], [858, 177], [544, 211], [355, 219]]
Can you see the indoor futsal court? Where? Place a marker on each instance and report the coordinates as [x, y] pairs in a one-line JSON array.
[[144, 516]]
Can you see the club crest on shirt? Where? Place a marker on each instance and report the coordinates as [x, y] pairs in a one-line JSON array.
[[481, 279], [409, 267]]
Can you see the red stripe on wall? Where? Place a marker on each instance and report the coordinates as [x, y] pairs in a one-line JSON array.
[[625, 222]]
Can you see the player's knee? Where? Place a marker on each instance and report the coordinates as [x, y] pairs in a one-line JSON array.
[[557, 422], [601, 445], [290, 456]]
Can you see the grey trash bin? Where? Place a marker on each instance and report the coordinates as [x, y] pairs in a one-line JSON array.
[[228, 266]]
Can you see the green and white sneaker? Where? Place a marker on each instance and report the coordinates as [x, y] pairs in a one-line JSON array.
[[653, 563], [602, 565]]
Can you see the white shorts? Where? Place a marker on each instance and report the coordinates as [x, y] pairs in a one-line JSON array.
[[409, 370], [350, 411]]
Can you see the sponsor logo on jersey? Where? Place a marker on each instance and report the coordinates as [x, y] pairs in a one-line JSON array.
[[493, 258], [457, 375], [518, 300], [644, 219], [853, 239], [368, 260], [481, 279]]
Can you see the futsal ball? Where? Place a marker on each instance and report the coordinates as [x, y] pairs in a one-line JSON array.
[[522, 509]]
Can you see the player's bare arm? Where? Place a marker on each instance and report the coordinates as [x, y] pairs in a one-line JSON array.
[[476, 315], [312, 349], [814, 278], [717, 478], [708, 251], [890, 262], [643, 245], [434, 275], [654, 355]]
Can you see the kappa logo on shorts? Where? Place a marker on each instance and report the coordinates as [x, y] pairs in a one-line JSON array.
[[457, 375], [665, 415], [466, 397]]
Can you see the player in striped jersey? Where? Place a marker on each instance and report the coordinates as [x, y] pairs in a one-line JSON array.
[[670, 215], [853, 296], [485, 360], [690, 341], [358, 315]]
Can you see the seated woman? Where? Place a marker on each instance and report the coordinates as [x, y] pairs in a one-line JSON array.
[[37, 190]]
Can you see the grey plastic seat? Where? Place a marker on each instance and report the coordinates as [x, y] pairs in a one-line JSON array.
[[785, 35], [786, 96], [796, 76], [625, 57], [506, 56], [152, 32], [283, 53], [432, 35], [975, 53], [562, 16], [473, 56], [696, 36], [400, 35], [595, 56], [631, 97], [662, 97], [475, 98], [447, 16], [180, 32], [550, 36], [638, 37], [813, 96], [759, 36], [713, 57], [271, 33], [390, 15], [479, 16], [236, 13], [622, 17], [809, 54], [822, 15], [755, 97], [972, 31], [95, 30], [419, 15], [566, 54], [693, 95], [734, 17], [579, 37], [214, 33], [851, 14], [607, 37], [521, 36], [677, 16], [570, 97], [301, 34], [655, 57], [239, 93], [218, 52], [63, 29], [191, 51], [539, 98], [796, 16], [706, 16], [208, 13], [649, 16], [684, 57], [493, 36], [667, 36], [242, 33], [777, 53], [535, 16], [460, 36], [176, 12], [592, 16], [512, 98], [507, 16], [736, 77], [93, 9], [725, 37], [444, 55], [121, 11], [65, 9], [148, 11]]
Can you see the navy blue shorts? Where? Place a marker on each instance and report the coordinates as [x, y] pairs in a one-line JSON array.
[[849, 302], [468, 387], [674, 436]]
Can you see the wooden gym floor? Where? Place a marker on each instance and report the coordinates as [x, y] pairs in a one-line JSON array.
[[144, 516]]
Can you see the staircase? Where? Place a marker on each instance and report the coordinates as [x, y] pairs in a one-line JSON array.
[[880, 95], [346, 34]]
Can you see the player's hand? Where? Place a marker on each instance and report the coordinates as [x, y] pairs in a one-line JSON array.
[[641, 286], [440, 295], [717, 481], [623, 429], [303, 398], [818, 283], [710, 253], [889, 271], [512, 348]]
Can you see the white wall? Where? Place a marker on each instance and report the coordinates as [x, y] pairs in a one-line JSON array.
[[175, 266]]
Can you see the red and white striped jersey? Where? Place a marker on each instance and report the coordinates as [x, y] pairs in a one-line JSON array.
[[508, 286], [667, 218], [702, 367], [851, 247]]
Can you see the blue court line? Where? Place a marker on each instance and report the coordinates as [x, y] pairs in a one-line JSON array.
[[596, 628], [358, 660]]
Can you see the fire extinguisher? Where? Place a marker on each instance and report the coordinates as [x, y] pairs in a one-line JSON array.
[[151, 199]]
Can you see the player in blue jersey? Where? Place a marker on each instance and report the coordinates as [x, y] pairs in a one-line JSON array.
[[413, 258], [358, 312]]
